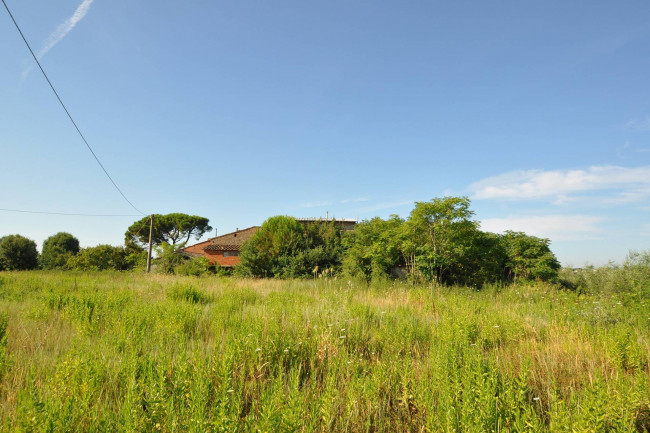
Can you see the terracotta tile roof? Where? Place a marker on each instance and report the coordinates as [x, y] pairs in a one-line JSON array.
[[222, 247], [231, 241]]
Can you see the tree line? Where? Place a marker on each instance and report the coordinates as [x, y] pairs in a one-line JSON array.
[[62, 250], [438, 242]]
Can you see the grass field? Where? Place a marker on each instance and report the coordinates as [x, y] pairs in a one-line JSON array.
[[132, 352]]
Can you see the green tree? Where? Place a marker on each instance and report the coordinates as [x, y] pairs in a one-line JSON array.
[[167, 257], [268, 252], [197, 266], [171, 228], [319, 253], [373, 249], [17, 253], [482, 261], [100, 258], [57, 249], [436, 234], [529, 257]]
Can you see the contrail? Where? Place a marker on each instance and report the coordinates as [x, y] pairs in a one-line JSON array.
[[65, 27]]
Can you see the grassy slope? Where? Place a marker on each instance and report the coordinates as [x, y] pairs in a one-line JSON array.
[[128, 352]]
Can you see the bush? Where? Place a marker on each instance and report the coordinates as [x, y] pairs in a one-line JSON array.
[[168, 258], [285, 248], [58, 249], [632, 275], [196, 266], [17, 253], [100, 258]]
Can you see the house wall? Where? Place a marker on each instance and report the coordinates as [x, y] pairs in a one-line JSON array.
[[218, 257]]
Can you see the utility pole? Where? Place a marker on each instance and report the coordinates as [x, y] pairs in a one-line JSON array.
[[150, 236]]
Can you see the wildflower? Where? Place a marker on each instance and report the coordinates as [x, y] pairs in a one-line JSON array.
[[286, 350], [496, 326], [230, 390], [258, 349], [342, 337], [536, 398]]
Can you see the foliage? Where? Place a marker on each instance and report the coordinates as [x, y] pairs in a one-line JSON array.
[[167, 258], [57, 249], [438, 242], [373, 249], [283, 247], [437, 235], [17, 253], [482, 260], [632, 276], [321, 252], [101, 258], [529, 257], [173, 228], [132, 352], [197, 266]]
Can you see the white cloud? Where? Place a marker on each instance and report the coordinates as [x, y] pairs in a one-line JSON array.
[[638, 124], [554, 227], [64, 28], [559, 184]]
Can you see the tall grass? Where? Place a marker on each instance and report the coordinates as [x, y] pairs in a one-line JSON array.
[[128, 352]]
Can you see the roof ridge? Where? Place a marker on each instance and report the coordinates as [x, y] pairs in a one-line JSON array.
[[236, 231]]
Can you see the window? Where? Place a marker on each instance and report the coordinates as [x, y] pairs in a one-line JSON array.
[[230, 253]]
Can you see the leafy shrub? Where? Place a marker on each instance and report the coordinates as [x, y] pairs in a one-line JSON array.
[[168, 258], [285, 248], [196, 266], [632, 275], [17, 253], [100, 258]]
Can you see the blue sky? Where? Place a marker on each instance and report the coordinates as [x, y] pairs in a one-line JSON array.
[[237, 111]]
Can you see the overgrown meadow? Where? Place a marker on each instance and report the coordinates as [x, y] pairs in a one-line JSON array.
[[133, 352]]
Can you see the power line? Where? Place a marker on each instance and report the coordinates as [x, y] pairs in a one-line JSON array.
[[66, 110], [65, 213]]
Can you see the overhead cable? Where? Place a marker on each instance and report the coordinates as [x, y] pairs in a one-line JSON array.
[[66, 110]]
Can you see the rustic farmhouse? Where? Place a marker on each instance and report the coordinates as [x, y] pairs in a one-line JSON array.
[[224, 250]]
